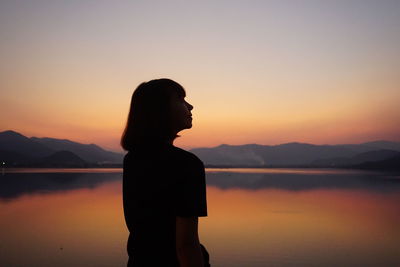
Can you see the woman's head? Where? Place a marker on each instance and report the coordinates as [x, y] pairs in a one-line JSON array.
[[157, 113]]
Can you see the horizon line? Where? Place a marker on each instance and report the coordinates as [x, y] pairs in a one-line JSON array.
[[222, 144]]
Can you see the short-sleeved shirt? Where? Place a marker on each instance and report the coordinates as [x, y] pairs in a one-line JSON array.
[[160, 182]]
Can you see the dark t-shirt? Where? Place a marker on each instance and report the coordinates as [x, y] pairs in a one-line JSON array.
[[160, 182]]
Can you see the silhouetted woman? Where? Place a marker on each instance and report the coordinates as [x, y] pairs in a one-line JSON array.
[[164, 190]]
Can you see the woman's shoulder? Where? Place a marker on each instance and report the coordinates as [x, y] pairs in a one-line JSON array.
[[171, 152], [187, 157]]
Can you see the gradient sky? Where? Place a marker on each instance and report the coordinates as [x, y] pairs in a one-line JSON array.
[[266, 72]]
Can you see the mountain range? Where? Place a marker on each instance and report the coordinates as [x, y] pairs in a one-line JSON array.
[[302, 155], [21, 151]]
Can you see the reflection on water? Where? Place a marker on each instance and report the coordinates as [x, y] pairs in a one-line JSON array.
[[16, 184], [256, 218], [301, 180]]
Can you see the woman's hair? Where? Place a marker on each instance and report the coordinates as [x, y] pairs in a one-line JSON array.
[[149, 115]]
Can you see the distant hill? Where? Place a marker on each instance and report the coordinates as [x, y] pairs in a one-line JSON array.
[[294, 154], [18, 143], [392, 163], [88, 152], [370, 156], [19, 150], [11, 156], [384, 145], [62, 159]]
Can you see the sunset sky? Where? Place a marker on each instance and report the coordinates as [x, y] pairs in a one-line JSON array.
[[266, 72]]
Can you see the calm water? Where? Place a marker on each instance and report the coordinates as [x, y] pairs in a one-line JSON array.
[[257, 217]]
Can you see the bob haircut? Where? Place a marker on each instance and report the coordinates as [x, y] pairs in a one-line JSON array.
[[149, 119]]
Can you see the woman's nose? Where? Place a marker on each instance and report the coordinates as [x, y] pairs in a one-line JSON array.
[[190, 107]]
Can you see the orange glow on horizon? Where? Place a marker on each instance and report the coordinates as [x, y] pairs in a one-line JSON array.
[[284, 75]]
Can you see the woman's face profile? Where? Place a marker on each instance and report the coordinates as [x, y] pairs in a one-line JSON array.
[[181, 115]]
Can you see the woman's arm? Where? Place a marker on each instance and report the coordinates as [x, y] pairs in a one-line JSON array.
[[187, 242]]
